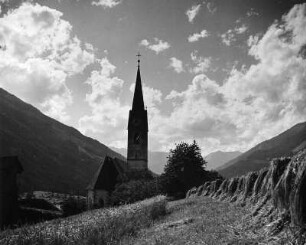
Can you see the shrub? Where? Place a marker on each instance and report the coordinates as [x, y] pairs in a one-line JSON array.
[[158, 209], [134, 190]]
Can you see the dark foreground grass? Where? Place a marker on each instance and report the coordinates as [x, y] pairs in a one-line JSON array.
[[102, 226], [200, 220]]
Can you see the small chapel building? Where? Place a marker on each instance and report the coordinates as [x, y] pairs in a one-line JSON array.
[[110, 172], [113, 170]]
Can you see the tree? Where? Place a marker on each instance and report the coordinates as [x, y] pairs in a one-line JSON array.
[[184, 169]]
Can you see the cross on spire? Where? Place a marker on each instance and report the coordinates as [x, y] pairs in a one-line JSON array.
[[138, 60]]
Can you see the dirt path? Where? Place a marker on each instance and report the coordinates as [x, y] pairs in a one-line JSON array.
[[196, 221]]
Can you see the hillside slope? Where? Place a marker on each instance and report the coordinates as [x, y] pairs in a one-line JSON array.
[[285, 144], [218, 158], [54, 156]]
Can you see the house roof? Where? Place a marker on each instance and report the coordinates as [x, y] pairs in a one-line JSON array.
[[107, 174], [10, 162]]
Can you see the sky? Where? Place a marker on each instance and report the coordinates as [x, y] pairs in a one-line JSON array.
[[228, 74]]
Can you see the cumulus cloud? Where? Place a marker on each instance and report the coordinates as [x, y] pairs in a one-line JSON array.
[[3, 2], [241, 29], [253, 104], [196, 36], [252, 12], [201, 64], [231, 35], [39, 54], [158, 45], [197, 121], [228, 37], [176, 64], [108, 116], [211, 7], [192, 12], [106, 3]]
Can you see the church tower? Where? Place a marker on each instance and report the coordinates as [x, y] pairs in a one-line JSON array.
[[137, 150]]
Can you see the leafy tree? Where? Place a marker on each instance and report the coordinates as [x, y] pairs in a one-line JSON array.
[[184, 169]]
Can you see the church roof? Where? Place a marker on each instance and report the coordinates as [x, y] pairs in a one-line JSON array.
[[107, 174], [120, 165], [138, 103]]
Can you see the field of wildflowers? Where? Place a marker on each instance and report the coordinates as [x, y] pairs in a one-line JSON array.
[[100, 226]]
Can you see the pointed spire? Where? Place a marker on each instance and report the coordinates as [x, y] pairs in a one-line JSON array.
[[138, 103], [138, 60]]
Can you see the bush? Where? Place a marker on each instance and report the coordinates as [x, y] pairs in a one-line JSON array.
[[134, 190], [158, 209]]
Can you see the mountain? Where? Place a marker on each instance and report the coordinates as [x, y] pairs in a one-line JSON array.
[[285, 144], [218, 158], [55, 157], [157, 159]]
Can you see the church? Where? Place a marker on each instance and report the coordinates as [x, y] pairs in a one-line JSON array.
[[137, 148], [112, 170]]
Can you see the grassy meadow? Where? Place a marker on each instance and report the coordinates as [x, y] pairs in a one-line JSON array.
[[100, 226], [198, 220]]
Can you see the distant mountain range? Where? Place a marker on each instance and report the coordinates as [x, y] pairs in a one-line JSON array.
[[54, 156], [157, 159], [285, 144], [218, 158]]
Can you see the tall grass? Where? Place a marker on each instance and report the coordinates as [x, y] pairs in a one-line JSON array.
[[101, 226]]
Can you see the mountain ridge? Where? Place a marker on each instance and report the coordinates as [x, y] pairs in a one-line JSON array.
[[285, 144], [218, 158], [55, 157]]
